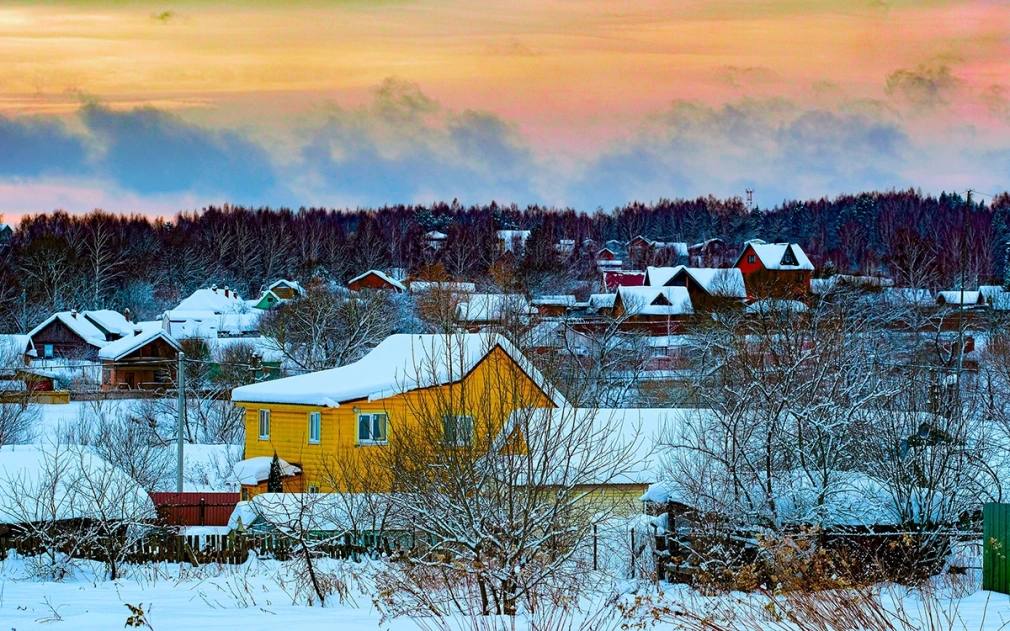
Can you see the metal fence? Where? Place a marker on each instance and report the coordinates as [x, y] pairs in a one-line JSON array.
[[996, 548]]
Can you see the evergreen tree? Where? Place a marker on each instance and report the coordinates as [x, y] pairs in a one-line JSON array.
[[274, 483]]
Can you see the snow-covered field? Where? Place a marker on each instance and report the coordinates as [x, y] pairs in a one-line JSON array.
[[258, 595]]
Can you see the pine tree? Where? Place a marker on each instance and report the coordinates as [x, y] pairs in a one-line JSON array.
[[274, 483]]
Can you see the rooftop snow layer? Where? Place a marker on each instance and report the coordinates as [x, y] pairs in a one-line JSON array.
[[400, 363], [122, 347]]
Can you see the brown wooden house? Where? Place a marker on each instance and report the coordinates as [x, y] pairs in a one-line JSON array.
[[144, 361], [375, 279], [78, 335]]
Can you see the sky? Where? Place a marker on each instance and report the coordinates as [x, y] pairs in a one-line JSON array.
[[156, 107]]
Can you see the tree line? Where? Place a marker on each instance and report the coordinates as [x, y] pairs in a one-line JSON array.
[[103, 260]]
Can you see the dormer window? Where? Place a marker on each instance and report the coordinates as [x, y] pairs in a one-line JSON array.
[[789, 258]]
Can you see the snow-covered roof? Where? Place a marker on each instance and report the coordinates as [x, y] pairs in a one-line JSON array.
[[492, 307], [82, 326], [212, 299], [386, 278], [602, 301], [662, 301], [86, 486], [112, 321], [14, 344], [285, 283], [717, 281], [114, 351], [252, 471], [599, 446], [773, 254], [906, 296], [953, 297], [562, 300], [435, 235], [776, 305], [314, 512], [437, 285], [399, 363]]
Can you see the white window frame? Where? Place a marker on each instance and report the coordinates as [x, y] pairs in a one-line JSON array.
[[315, 422], [456, 441], [372, 417], [264, 416]]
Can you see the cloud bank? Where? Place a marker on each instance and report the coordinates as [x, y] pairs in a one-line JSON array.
[[403, 146]]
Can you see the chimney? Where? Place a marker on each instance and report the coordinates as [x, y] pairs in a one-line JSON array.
[[213, 288], [128, 314], [226, 291], [73, 313]]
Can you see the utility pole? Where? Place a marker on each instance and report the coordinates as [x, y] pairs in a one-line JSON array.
[[964, 275], [180, 380]]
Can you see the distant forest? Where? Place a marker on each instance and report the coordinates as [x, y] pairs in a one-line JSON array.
[[102, 260]]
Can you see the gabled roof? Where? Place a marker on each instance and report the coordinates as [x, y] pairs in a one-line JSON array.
[[386, 278], [399, 364], [83, 327], [114, 351], [562, 300], [285, 283], [777, 256], [462, 287], [661, 301], [112, 321], [953, 297], [716, 281]]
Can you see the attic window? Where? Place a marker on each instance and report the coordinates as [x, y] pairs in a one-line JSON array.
[[789, 258], [751, 259], [661, 299]]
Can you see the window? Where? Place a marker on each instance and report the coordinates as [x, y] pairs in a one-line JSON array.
[[457, 430], [751, 258], [47, 351], [315, 427], [264, 424], [371, 429], [313, 488]]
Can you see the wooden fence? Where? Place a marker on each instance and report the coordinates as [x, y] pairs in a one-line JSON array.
[[202, 549], [996, 548]]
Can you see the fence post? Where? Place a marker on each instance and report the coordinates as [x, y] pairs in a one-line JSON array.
[[203, 511], [595, 563], [632, 552]]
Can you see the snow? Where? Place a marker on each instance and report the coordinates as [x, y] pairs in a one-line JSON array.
[[907, 296], [602, 301], [399, 363], [27, 471], [252, 471], [12, 344], [285, 283], [662, 301], [78, 323], [208, 325], [453, 286], [265, 348], [775, 305], [492, 307], [637, 434], [566, 300], [213, 300], [771, 254], [386, 278], [954, 296], [717, 281], [122, 347], [112, 321], [317, 512]]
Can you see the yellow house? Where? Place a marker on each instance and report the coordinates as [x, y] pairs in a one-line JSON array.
[[410, 390]]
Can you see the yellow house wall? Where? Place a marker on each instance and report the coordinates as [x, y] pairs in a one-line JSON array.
[[289, 424]]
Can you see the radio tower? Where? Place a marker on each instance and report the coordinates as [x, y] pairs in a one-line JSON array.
[[750, 199]]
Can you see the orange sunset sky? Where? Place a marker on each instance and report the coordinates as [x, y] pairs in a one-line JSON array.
[[158, 107]]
